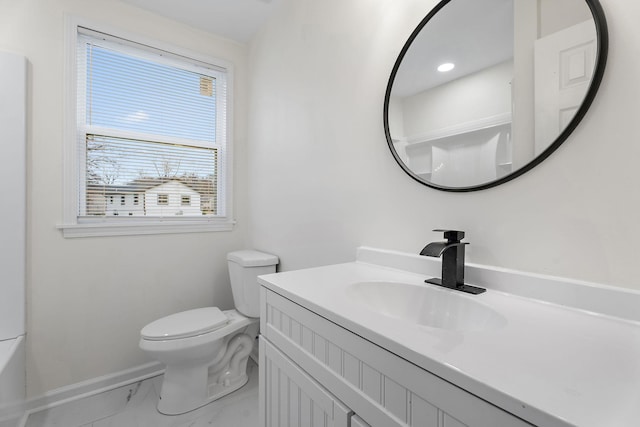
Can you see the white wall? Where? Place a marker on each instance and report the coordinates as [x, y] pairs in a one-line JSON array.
[[88, 298], [322, 180], [558, 15]]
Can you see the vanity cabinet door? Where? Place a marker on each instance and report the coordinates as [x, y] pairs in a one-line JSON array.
[[291, 398]]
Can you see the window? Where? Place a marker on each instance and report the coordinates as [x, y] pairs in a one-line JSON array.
[[152, 124]]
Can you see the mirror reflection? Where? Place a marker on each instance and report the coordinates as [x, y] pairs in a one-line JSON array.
[[487, 86]]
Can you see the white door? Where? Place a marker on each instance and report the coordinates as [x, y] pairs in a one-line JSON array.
[[564, 64]]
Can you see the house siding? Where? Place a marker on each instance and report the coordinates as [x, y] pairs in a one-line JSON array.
[[175, 191]]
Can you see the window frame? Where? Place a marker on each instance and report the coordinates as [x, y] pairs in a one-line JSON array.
[[75, 225]]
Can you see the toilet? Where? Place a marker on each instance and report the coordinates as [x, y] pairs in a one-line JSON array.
[[206, 350]]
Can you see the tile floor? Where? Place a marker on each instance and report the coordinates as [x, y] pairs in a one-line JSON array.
[[135, 406]]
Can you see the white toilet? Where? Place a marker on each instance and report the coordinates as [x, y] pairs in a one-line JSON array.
[[205, 350]]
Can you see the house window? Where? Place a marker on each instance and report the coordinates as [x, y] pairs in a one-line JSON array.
[[123, 200], [136, 199], [148, 120]]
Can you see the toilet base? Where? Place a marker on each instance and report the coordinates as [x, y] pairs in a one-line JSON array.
[[188, 387], [216, 391]]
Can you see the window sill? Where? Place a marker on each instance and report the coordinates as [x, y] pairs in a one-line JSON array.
[[105, 228]]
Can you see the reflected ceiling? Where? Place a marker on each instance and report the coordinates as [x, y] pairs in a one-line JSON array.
[[412, 78]]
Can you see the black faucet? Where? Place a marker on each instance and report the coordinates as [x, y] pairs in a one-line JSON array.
[[452, 252]]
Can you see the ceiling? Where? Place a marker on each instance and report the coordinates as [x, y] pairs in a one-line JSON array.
[[238, 20], [443, 38]]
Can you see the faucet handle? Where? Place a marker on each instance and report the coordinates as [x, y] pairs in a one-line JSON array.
[[452, 236]]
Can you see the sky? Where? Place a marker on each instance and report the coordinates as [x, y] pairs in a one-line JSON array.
[[134, 94]]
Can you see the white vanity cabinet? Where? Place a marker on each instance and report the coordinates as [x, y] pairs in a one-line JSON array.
[[313, 372], [292, 398]]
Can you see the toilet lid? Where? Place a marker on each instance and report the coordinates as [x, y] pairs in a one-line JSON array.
[[250, 258], [185, 324]]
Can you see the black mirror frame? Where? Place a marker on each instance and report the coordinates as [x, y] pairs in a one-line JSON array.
[[602, 52]]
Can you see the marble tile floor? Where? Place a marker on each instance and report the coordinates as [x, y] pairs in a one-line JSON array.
[[135, 406]]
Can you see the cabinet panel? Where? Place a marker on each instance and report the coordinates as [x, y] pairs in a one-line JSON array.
[[290, 398], [374, 383], [424, 413], [396, 399], [452, 422], [356, 421]]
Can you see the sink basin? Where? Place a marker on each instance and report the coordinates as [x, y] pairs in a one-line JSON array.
[[426, 305]]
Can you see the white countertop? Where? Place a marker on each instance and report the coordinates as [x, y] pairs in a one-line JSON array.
[[549, 364]]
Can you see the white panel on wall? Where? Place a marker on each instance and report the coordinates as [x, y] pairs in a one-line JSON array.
[[13, 98]]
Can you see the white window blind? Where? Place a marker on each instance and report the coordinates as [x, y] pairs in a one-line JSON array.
[[151, 132]]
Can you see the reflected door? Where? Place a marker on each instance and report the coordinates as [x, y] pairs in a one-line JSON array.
[[564, 64]]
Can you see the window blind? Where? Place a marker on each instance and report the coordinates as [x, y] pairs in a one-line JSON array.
[[151, 132]]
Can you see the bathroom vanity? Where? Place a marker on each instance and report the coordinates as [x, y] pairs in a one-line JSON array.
[[368, 343]]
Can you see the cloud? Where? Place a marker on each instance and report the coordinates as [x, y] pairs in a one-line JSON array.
[[138, 116]]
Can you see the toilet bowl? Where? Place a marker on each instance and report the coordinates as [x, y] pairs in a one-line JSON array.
[[206, 350]]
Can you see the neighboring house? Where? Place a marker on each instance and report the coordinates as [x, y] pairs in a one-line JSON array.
[[172, 198], [149, 197], [114, 200]]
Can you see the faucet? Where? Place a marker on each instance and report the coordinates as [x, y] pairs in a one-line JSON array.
[[452, 253]]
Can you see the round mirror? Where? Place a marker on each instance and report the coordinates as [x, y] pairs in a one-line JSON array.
[[484, 90]]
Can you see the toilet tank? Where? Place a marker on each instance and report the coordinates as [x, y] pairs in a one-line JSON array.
[[244, 269]]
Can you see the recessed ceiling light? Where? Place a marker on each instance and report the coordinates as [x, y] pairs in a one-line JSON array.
[[448, 66]]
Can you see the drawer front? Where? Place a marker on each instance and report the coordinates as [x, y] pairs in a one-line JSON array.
[[382, 388]]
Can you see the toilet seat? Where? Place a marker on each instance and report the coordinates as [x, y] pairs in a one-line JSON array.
[[185, 324], [236, 322]]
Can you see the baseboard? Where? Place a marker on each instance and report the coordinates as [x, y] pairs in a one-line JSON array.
[[90, 387]]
